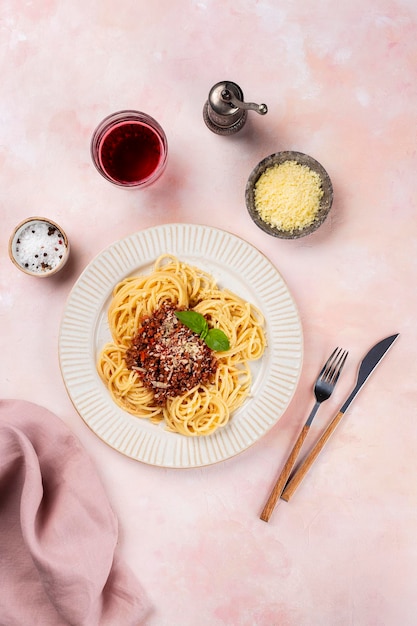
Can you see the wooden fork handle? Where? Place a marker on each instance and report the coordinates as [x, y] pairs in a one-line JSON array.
[[293, 484], [283, 477]]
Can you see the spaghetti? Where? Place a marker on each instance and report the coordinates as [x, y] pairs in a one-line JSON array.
[[209, 404]]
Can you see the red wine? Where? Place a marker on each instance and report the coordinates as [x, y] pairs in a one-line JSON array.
[[130, 152]]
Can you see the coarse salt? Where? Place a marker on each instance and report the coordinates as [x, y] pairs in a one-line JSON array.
[[39, 247]]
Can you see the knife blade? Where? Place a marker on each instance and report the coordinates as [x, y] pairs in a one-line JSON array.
[[367, 366]]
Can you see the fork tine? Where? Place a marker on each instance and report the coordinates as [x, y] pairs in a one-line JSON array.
[[339, 367], [326, 365], [334, 366]]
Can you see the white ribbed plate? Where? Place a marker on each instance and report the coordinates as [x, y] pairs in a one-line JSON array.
[[236, 265]]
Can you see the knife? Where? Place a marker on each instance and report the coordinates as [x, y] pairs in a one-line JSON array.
[[367, 366]]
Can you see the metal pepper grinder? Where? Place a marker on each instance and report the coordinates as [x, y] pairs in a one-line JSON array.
[[225, 112]]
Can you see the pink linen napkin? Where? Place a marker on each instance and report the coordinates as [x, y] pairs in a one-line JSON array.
[[58, 533]]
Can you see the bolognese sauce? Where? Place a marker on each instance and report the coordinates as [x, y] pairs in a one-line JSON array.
[[168, 357]]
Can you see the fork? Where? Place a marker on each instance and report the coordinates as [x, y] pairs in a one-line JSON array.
[[323, 389]]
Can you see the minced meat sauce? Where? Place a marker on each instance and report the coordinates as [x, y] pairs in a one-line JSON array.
[[169, 358]]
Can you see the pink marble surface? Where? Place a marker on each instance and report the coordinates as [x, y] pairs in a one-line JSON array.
[[340, 82]]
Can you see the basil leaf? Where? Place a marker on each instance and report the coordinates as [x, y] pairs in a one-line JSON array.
[[195, 321], [217, 340], [204, 332], [214, 337]]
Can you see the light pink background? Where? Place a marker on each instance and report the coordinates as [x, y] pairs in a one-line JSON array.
[[339, 79]]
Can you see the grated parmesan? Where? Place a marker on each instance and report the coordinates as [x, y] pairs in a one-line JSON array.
[[287, 195]]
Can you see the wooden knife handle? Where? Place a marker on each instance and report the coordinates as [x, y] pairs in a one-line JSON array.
[[283, 477], [310, 458]]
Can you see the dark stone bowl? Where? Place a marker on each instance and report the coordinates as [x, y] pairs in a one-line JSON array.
[[325, 202]]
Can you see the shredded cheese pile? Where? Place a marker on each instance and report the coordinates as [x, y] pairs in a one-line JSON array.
[[287, 196]]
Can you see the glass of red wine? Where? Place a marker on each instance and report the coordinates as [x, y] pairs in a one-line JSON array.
[[130, 149]]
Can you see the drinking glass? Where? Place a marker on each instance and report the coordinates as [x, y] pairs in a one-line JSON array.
[[130, 149]]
